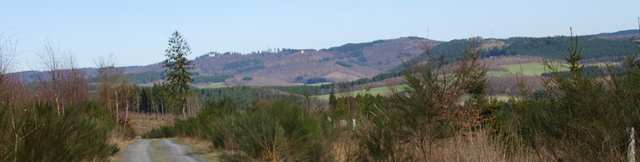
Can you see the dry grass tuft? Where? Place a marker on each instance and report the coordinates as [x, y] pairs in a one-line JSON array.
[[481, 147], [118, 137], [142, 122]]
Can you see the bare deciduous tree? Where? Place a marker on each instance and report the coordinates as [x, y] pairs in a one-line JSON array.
[[51, 66], [107, 76], [7, 55]]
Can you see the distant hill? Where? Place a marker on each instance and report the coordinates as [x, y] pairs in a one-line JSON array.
[[547, 47], [354, 61], [296, 66], [618, 33], [621, 35]]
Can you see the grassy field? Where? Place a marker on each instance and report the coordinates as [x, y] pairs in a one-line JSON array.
[[213, 85], [498, 73], [530, 69], [386, 91], [374, 91], [535, 69]]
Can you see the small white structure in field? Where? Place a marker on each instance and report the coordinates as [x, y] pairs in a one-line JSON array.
[[301, 51]]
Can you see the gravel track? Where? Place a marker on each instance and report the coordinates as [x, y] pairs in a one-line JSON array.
[[148, 150]]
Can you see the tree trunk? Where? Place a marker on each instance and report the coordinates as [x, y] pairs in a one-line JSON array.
[[117, 110], [183, 114], [126, 116]]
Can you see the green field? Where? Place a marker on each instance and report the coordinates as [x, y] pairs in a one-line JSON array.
[[529, 69], [498, 73], [385, 91], [535, 69], [374, 91], [213, 85]]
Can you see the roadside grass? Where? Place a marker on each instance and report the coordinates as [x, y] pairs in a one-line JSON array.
[[201, 147], [122, 143]]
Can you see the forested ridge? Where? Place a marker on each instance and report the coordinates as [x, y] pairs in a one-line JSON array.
[[547, 47]]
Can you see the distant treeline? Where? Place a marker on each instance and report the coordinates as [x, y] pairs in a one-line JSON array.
[[350, 47], [316, 80], [552, 47], [153, 76], [291, 50], [240, 96]]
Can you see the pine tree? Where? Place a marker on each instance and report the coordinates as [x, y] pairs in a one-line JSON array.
[[332, 100], [177, 68]]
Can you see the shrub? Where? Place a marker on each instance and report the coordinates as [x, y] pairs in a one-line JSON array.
[[44, 135], [578, 116], [426, 112], [269, 130]]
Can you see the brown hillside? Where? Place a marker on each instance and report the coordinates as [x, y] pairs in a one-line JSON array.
[[288, 65]]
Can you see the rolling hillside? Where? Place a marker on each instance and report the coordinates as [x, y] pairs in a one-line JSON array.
[[354, 61], [345, 63]]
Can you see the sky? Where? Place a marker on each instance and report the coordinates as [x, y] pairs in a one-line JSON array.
[[136, 32]]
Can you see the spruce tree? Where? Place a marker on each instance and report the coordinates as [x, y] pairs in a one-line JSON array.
[[177, 68], [332, 100]]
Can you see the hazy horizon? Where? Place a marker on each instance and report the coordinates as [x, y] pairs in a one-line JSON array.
[[137, 32]]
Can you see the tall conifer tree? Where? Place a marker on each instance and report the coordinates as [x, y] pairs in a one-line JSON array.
[[177, 68]]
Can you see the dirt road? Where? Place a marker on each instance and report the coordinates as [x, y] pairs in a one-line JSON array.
[[147, 150]]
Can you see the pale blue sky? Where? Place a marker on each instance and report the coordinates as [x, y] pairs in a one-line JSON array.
[[136, 32]]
